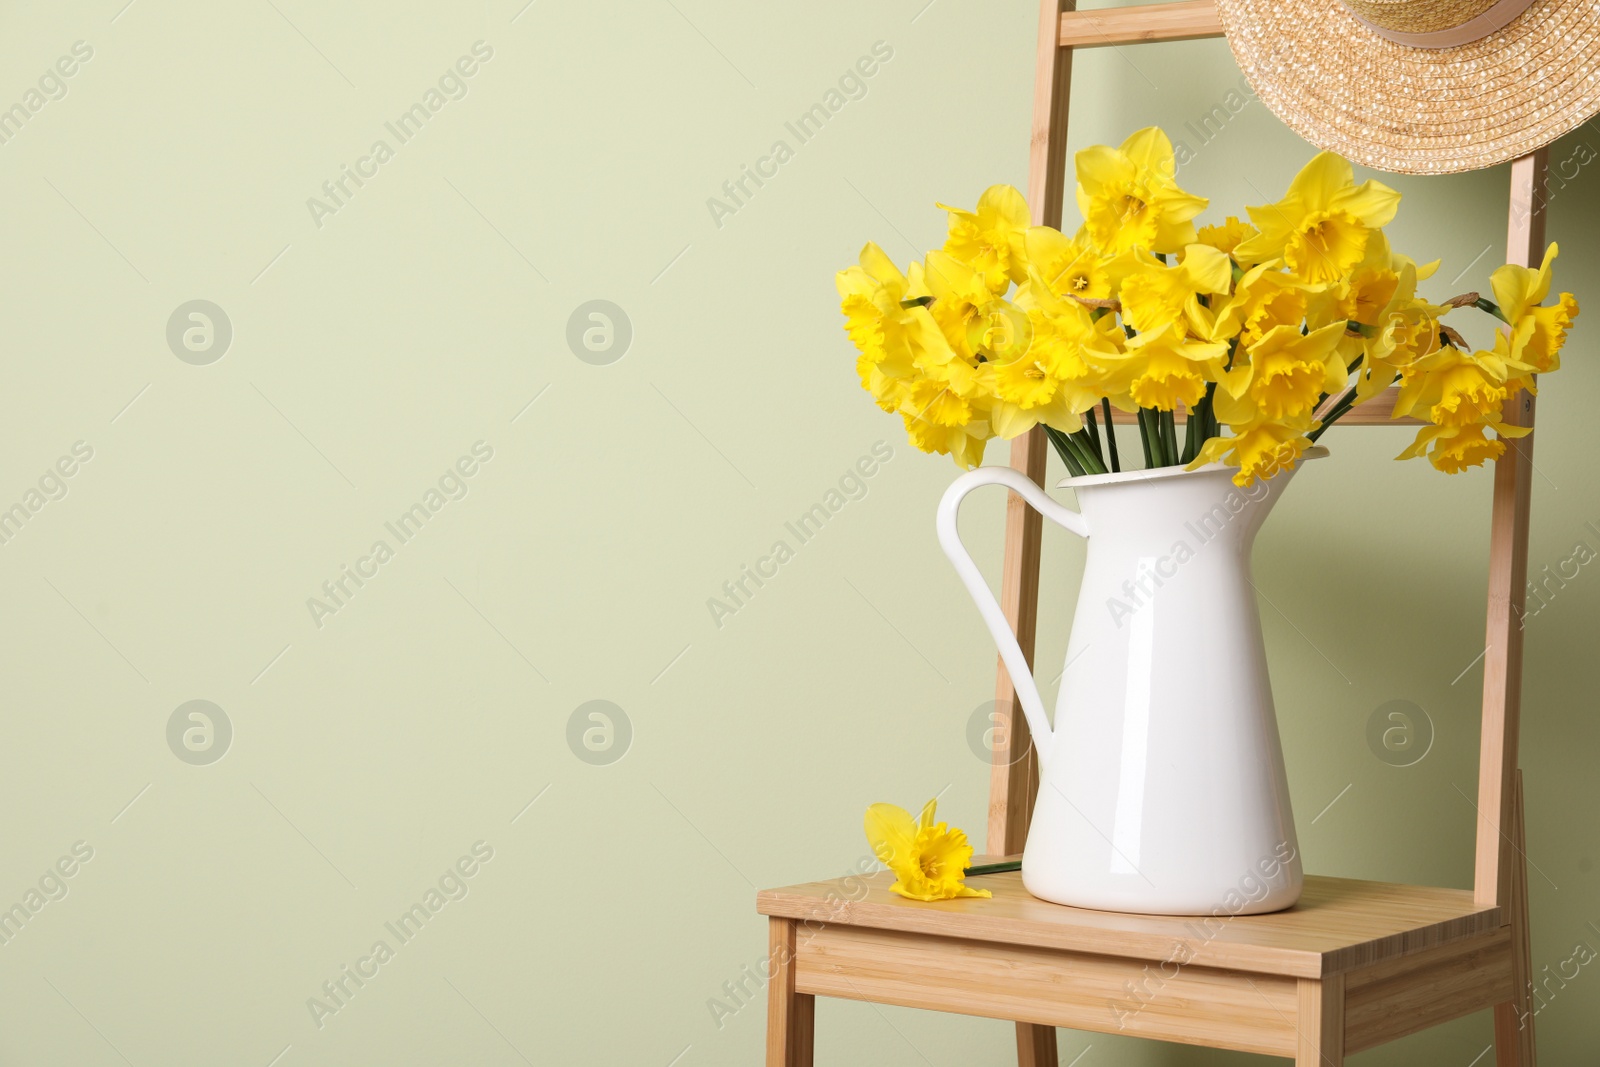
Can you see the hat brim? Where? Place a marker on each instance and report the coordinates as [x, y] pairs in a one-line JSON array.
[[1342, 86]]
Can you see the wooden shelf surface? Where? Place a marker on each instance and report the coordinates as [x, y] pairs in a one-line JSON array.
[[1339, 925]]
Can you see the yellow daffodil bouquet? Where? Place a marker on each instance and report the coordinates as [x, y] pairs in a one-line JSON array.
[[1258, 335]]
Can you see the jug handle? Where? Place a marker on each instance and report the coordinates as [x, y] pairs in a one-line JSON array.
[[1010, 651]]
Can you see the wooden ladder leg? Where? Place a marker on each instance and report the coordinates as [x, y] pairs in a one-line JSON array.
[[1321, 1022], [791, 1016], [1015, 778], [1036, 1045], [1513, 1022], [1502, 867]]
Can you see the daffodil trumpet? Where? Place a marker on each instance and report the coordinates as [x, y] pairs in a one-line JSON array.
[[1260, 333]]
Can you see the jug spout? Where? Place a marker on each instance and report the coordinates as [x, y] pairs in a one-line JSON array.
[[1169, 509]]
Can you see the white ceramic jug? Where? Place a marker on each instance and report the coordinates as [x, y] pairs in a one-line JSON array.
[[1162, 786]]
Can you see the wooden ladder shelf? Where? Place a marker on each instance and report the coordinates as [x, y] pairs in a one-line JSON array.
[[1353, 965]]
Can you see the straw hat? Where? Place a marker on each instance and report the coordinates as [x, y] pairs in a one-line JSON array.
[[1421, 86]]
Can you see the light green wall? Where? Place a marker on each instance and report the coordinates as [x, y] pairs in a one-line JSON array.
[[428, 711]]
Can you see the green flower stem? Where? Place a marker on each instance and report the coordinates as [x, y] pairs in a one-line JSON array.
[[1078, 457], [1064, 449], [1092, 463], [1090, 446], [1146, 433], [994, 868], [1169, 435], [1111, 435], [1339, 410], [1485, 304], [1191, 437], [1093, 435]]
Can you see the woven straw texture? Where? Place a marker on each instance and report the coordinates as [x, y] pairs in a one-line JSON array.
[[1342, 86], [1419, 16]]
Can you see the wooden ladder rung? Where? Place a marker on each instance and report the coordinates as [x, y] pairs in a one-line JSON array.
[[1378, 412], [1375, 412], [1185, 21]]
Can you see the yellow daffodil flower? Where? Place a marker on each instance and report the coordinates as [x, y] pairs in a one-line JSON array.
[[1282, 376], [1165, 369], [1452, 388], [1467, 446], [944, 407], [1321, 226], [929, 859], [961, 303], [1537, 333], [1404, 333], [1228, 236], [1453, 449], [1155, 295], [1251, 328], [1461, 395], [1466, 396], [934, 402], [1360, 294], [870, 296], [1259, 450], [1518, 289], [1129, 199], [1262, 300], [991, 239], [1063, 371], [1067, 267], [940, 419], [964, 444], [1025, 396], [1094, 331], [1368, 294]]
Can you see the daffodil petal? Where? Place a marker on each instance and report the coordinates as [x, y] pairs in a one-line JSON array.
[[1100, 164], [1208, 270], [1320, 180], [1373, 202], [891, 833]]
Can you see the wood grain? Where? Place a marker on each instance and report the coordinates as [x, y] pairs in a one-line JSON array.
[[1052, 88], [1014, 773], [1014, 770], [1339, 925], [1513, 1018], [1508, 575], [1142, 23], [1036, 1045], [1379, 411], [1320, 1023], [1403, 996], [791, 1015], [1191, 1004]]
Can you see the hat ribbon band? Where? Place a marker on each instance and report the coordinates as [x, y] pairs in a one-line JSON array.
[[1497, 17]]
